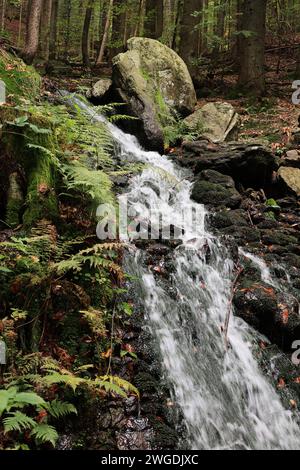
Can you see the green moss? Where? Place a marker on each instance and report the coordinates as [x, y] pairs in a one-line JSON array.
[[15, 201], [34, 147], [21, 80]]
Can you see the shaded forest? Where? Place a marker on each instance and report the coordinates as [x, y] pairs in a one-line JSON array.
[[175, 335]]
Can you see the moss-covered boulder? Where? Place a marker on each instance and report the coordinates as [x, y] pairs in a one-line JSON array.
[[154, 81], [21, 81], [217, 190]]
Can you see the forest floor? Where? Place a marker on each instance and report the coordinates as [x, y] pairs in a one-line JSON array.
[[269, 120]]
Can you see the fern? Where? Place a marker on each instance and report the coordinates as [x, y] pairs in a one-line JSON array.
[[114, 384], [69, 380], [17, 421], [59, 409], [45, 433], [97, 257], [92, 183]]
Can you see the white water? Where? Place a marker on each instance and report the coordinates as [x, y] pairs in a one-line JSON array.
[[226, 401]]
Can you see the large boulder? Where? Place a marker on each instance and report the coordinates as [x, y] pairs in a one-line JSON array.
[[216, 122], [155, 83], [217, 190], [251, 165], [290, 178]]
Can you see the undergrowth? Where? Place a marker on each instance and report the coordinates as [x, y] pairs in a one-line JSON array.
[[60, 288]]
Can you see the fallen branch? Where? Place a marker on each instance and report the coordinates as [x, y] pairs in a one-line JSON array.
[[229, 310]]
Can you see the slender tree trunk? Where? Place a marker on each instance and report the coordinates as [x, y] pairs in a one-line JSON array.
[[105, 35], [167, 23], [86, 33], [252, 58], [53, 30], [33, 31], [45, 29], [188, 33], [67, 12], [20, 23], [118, 27], [298, 65], [3, 9]]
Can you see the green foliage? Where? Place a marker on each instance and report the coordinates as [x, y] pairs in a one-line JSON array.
[[11, 400], [92, 183]]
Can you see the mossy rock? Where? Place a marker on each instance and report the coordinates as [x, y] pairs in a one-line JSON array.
[[21, 81], [154, 82]]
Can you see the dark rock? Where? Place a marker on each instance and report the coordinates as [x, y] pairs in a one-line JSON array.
[[251, 165], [229, 218], [271, 237], [214, 189], [260, 305]]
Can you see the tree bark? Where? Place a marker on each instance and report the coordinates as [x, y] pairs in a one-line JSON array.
[[105, 35], [118, 28], [45, 29], [3, 8], [252, 58], [86, 33], [298, 65], [53, 30], [188, 34], [32, 31]]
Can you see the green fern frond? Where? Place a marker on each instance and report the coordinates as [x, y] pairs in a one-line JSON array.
[[59, 409], [17, 421], [67, 379], [45, 433]]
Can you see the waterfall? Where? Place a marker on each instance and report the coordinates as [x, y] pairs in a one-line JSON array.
[[225, 399]]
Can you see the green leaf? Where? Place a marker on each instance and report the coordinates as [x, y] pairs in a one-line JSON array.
[[18, 421], [59, 409], [29, 398], [45, 433], [4, 397], [3, 269]]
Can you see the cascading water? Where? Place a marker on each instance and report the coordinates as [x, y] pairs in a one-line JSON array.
[[226, 401]]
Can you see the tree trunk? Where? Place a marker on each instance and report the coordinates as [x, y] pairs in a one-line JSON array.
[[252, 59], [3, 7], [167, 23], [45, 29], [118, 28], [32, 31], [86, 33], [53, 30], [105, 35], [298, 66], [188, 34]]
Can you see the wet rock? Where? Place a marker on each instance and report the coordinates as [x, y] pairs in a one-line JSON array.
[[216, 122], [138, 435], [250, 165], [271, 237], [225, 218], [290, 179], [101, 91], [154, 81], [214, 189], [260, 305], [291, 159]]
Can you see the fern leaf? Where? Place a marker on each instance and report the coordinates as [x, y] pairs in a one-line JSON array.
[[45, 433], [69, 380], [18, 421], [28, 398], [59, 409], [4, 398]]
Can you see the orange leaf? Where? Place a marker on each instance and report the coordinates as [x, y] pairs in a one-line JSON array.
[[107, 354]]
